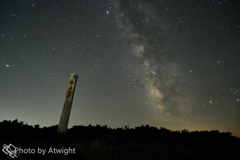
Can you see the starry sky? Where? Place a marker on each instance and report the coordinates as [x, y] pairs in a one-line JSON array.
[[172, 64]]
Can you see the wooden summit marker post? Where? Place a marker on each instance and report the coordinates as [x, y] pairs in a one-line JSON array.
[[63, 123]]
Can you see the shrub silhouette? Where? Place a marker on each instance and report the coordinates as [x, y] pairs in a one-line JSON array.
[[103, 142]]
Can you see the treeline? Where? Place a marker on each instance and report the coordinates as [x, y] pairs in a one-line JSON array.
[[103, 142], [15, 126]]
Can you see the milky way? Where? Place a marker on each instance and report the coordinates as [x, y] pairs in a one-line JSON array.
[[162, 83]]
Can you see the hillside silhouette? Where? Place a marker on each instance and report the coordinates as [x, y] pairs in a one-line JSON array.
[[102, 142]]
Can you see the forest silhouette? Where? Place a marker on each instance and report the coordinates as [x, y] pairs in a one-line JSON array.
[[102, 142]]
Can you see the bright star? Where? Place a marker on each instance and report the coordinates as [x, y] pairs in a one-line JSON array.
[[107, 12], [7, 65]]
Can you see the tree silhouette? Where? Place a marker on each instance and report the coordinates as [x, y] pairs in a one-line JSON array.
[[143, 142]]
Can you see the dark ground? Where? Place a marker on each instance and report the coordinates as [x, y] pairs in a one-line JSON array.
[[102, 142]]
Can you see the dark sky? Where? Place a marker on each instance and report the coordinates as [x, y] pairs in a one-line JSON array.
[[172, 64]]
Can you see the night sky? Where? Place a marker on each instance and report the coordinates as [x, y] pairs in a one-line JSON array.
[[172, 64]]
